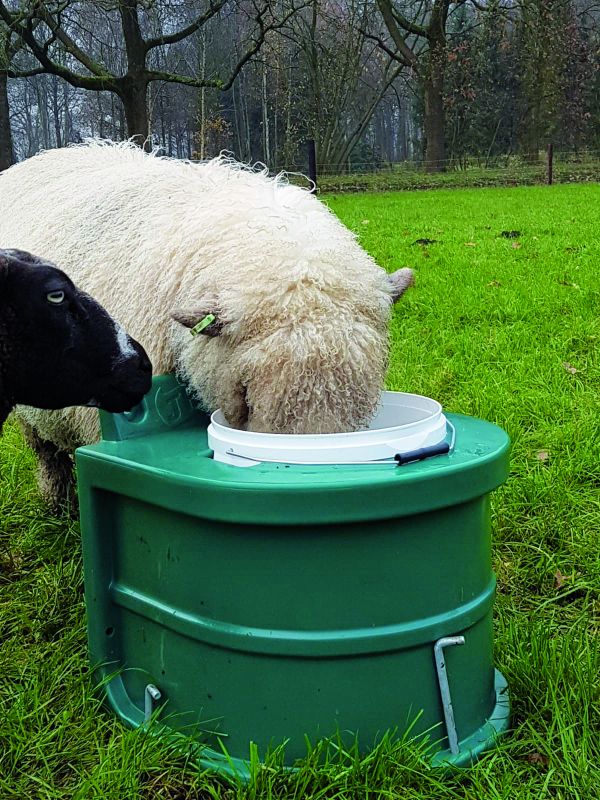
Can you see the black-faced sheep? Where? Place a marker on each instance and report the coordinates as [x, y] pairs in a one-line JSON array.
[[299, 343], [58, 346]]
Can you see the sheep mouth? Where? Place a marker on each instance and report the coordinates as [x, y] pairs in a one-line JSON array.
[[118, 401]]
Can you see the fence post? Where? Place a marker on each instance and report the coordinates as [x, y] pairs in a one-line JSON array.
[[312, 164], [550, 162]]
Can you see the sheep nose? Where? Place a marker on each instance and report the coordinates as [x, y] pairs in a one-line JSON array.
[[143, 362], [137, 369]]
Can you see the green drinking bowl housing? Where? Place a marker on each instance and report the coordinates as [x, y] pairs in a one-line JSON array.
[[287, 601]]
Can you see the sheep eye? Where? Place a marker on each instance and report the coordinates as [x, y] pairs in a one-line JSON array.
[[55, 297]]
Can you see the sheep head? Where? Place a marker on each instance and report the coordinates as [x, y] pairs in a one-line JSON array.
[[308, 363], [58, 346]]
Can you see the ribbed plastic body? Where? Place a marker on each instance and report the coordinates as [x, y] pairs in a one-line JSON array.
[[285, 601]]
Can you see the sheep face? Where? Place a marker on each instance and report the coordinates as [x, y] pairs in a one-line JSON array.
[[316, 365], [61, 348], [312, 378]]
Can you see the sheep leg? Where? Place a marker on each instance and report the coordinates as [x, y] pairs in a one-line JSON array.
[[56, 474]]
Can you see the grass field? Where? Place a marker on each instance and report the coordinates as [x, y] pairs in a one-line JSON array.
[[504, 328]]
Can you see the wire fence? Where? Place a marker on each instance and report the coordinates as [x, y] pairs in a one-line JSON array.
[[550, 166]]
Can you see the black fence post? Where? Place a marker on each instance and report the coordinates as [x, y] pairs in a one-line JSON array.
[[312, 164], [550, 163]]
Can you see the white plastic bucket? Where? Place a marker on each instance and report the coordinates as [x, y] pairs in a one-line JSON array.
[[404, 422]]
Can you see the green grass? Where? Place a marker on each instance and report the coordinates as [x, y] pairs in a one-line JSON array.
[[487, 330]]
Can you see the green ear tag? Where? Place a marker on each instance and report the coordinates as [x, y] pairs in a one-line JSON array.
[[204, 323]]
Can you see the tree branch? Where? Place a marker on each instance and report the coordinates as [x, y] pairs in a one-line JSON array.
[[385, 6], [264, 29], [394, 54], [411, 27], [70, 46], [25, 31], [173, 38], [23, 73]]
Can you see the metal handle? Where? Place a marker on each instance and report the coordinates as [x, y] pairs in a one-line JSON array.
[[442, 675], [151, 696]]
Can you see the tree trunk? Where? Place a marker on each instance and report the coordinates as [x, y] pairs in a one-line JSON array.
[[121, 122], [163, 129], [434, 117], [531, 134], [6, 146], [289, 147], [56, 112], [112, 116], [314, 122], [265, 118], [133, 95], [32, 137], [67, 115], [100, 115], [133, 88], [42, 103], [433, 96], [202, 134], [236, 121], [203, 97]]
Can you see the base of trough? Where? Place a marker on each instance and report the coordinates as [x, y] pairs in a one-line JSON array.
[[483, 739], [236, 609]]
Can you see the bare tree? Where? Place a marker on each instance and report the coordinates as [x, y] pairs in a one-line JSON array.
[[6, 144], [346, 75], [10, 45], [53, 33], [418, 34]]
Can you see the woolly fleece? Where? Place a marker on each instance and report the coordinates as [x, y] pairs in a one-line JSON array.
[[304, 308]]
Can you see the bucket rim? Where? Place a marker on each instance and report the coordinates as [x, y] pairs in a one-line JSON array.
[[282, 438]]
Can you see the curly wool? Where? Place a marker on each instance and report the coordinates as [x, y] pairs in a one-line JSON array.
[[305, 309]]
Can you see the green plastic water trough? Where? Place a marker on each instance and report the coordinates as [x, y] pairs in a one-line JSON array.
[[280, 602]]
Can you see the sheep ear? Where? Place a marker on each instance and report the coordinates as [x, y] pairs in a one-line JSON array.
[[18, 258], [199, 320], [400, 281]]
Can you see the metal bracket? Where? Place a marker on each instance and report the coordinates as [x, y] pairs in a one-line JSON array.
[[151, 696], [442, 675]]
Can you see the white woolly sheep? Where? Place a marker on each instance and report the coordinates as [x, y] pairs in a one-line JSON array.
[[300, 339]]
